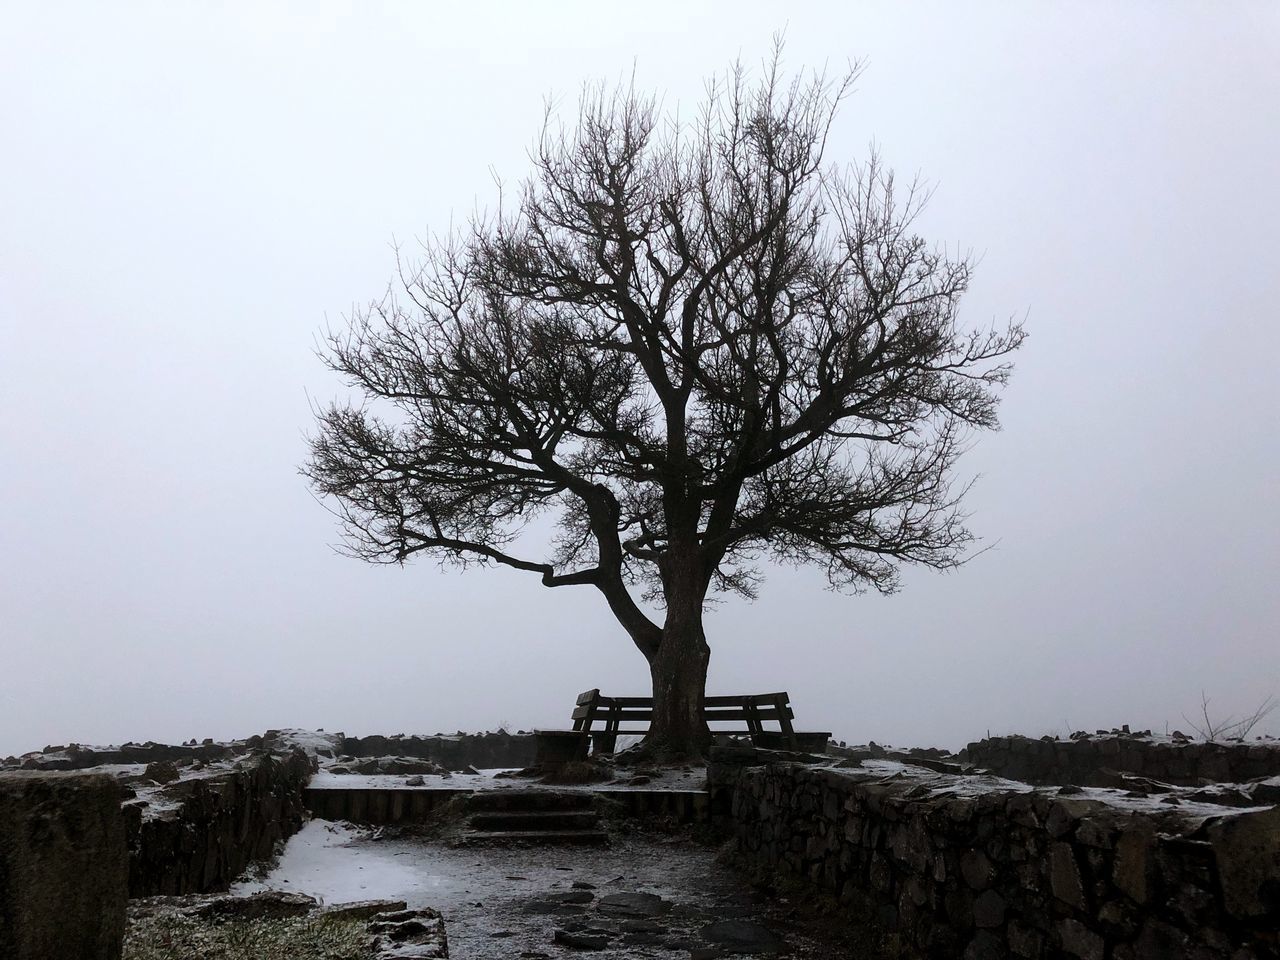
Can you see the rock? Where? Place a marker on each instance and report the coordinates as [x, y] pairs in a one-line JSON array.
[[976, 870], [984, 946], [1064, 876], [633, 905], [1246, 848], [267, 905], [413, 934], [1265, 792], [1134, 861], [415, 781], [1222, 796], [988, 909], [1159, 941], [581, 941], [1024, 941], [162, 771], [571, 896], [1079, 941], [642, 925], [63, 866], [937, 766], [360, 909], [742, 936]]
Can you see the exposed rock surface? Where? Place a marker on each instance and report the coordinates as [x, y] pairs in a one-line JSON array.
[[199, 834], [63, 869]]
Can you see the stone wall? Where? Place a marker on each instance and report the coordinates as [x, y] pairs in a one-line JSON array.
[[1088, 761], [1005, 873], [76, 757], [63, 872], [201, 833], [480, 750]]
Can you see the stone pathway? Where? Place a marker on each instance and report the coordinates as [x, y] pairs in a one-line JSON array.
[[644, 896]]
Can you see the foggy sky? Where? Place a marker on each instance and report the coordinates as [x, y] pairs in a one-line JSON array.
[[190, 192]]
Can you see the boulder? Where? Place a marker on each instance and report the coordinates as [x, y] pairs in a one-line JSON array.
[[162, 771]]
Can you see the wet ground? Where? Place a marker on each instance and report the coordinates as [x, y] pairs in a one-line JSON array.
[[645, 895]]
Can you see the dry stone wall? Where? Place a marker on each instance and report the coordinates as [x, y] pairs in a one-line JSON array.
[[1092, 761], [201, 833], [1011, 873]]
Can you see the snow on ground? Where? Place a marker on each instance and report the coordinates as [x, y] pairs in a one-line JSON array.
[[974, 785], [332, 861], [315, 743]]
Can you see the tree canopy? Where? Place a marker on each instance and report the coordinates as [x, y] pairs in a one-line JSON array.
[[698, 344]]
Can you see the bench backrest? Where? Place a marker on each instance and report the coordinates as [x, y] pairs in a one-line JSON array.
[[749, 712]]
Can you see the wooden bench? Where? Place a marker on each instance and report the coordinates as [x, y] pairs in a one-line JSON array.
[[749, 713]]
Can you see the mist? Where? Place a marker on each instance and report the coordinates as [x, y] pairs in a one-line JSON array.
[[191, 194]]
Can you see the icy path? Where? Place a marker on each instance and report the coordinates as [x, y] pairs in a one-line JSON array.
[[500, 902]]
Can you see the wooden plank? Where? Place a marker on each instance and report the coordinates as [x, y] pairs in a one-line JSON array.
[[723, 714], [588, 708], [759, 699], [785, 720], [742, 700], [746, 713]]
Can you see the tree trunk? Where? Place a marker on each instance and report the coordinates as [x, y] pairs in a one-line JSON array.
[[679, 673]]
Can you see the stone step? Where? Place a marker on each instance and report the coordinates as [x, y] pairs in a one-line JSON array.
[[500, 820], [527, 800], [577, 838]]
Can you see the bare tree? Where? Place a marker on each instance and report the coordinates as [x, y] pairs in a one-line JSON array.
[[1230, 727], [698, 345]]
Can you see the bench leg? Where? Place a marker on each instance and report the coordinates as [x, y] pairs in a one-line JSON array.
[[603, 743]]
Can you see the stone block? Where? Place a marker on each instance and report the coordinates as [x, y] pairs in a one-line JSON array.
[[1134, 862], [1079, 941], [63, 866], [977, 870], [1246, 850], [989, 910], [1064, 876]]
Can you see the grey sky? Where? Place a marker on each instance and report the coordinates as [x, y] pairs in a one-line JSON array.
[[189, 191]]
